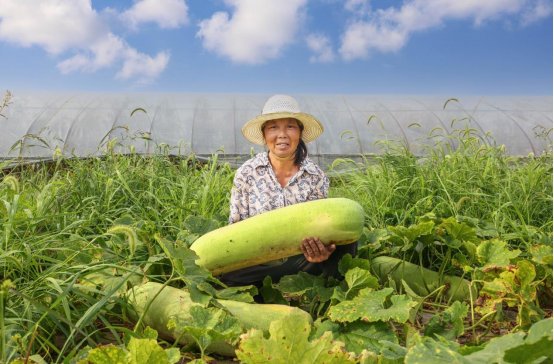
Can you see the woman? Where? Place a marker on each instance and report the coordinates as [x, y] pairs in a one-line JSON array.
[[282, 176]]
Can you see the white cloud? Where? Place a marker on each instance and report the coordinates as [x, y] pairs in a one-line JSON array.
[[540, 10], [256, 32], [166, 13], [55, 25], [321, 46], [388, 30], [359, 7], [73, 26], [143, 67]]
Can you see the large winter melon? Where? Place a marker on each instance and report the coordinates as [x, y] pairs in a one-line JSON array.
[[278, 234]]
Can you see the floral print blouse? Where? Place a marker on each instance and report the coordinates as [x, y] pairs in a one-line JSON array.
[[257, 190]]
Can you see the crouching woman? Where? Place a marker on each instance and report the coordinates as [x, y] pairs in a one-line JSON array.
[[281, 176]]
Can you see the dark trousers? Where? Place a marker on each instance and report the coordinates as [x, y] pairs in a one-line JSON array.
[[298, 263]]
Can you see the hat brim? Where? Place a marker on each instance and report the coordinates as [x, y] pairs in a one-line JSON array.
[[252, 130]]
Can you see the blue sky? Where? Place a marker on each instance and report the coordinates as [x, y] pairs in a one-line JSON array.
[[446, 47]]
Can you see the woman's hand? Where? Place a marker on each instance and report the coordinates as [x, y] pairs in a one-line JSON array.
[[315, 251]]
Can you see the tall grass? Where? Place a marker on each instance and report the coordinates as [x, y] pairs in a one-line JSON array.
[[65, 257], [477, 180]]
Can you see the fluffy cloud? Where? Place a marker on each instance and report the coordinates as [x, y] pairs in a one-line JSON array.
[[166, 13], [359, 7], [388, 30], [321, 46], [55, 25], [540, 10], [257, 31], [62, 26]]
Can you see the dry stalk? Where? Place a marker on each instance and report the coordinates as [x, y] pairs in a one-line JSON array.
[[6, 102]]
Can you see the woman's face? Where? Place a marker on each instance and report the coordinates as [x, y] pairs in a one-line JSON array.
[[282, 136]]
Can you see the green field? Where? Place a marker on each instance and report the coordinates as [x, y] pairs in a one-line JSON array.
[[77, 234]]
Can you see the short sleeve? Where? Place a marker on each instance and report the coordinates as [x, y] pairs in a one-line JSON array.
[[239, 199], [320, 190]]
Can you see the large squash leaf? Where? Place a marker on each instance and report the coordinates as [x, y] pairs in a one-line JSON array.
[[495, 252], [241, 294], [494, 351], [369, 306], [542, 254], [459, 232], [196, 278], [537, 345], [359, 336], [109, 355], [347, 262], [313, 287], [356, 279], [288, 343], [429, 351], [146, 351], [271, 294], [208, 325]]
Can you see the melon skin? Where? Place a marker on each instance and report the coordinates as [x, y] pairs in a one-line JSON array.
[[174, 303], [458, 289], [278, 234]]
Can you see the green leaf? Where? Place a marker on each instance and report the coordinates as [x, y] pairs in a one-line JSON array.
[[429, 351], [241, 294], [538, 345], [413, 232], [208, 325], [109, 355], [460, 231], [495, 252], [149, 333], [146, 351], [347, 262], [494, 351], [288, 342], [196, 278], [356, 279], [369, 306], [359, 335], [271, 294], [173, 355], [300, 283], [450, 323], [393, 351], [313, 287]]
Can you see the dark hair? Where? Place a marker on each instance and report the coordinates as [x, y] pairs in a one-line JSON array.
[[301, 150]]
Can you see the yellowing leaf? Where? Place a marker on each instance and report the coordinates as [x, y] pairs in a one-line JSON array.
[[288, 343], [109, 355], [495, 252], [542, 254], [146, 351]]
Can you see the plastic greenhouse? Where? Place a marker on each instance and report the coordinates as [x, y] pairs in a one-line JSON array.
[[39, 126]]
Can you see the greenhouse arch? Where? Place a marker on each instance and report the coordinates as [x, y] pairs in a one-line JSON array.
[[41, 125]]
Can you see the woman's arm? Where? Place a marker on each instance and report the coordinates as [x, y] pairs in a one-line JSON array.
[[238, 209]]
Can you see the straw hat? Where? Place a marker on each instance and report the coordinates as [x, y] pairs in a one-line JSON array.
[[278, 107]]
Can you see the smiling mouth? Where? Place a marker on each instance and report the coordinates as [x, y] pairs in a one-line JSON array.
[[282, 145]]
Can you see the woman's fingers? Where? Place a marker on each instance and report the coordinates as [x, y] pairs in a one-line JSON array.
[[315, 251], [307, 249]]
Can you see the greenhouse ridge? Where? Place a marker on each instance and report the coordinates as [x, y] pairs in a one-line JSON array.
[[82, 124]]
